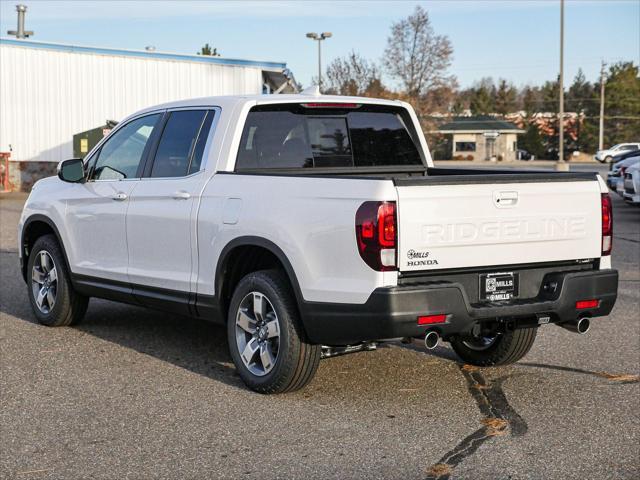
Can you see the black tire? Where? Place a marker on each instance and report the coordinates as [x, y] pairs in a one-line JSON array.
[[69, 306], [506, 349], [297, 360]]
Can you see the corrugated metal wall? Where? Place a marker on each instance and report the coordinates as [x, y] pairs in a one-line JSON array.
[[46, 96]]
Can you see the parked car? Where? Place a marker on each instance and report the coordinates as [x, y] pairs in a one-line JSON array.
[[313, 226], [607, 156], [524, 155], [623, 156], [632, 184], [615, 176]]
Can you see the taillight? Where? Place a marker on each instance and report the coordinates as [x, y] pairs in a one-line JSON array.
[[431, 319], [376, 234], [622, 170], [583, 304], [607, 224]]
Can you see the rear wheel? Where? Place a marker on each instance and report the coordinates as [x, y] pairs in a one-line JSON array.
[[266, 340], [500, 349], [54, 301]]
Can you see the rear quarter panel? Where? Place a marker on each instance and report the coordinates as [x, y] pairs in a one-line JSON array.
[[312, 220]]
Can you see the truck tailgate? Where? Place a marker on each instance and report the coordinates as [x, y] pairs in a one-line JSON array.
[[442, 226]]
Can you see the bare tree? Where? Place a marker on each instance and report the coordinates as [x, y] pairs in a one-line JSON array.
[[352, 75], [416, 56]]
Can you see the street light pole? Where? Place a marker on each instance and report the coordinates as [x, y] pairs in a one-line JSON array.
[[319, 37], [319, 64], [601, 131], [561, 165]]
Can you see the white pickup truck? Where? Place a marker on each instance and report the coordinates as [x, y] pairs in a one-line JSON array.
[[312, 226]]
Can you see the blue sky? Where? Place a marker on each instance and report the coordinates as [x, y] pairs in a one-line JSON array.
[[516, 40]]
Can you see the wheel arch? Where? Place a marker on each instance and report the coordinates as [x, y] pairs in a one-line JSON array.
[[36, 226], [222, 280]]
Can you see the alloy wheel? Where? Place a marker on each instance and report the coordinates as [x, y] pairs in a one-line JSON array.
[[44, 282], [257, 333]]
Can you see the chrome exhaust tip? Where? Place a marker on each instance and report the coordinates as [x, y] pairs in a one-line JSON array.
[[583, 326], [431, 340], [580, 326]]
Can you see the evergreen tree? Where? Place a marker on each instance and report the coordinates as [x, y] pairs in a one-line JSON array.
[[505, 99], [622, 104], [208, 51], [531, 141], [482, 101]]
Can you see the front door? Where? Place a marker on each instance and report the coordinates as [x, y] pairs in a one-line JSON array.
[[161, 219], [96, 209]]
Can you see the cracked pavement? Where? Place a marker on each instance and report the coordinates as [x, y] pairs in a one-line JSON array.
[[133, 393]]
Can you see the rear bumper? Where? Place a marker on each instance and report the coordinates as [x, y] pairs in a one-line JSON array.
[[392, 312]]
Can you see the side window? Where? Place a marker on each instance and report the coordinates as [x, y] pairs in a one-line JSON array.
[[120, 156], [178, 144], [196, 160], [90, 162]]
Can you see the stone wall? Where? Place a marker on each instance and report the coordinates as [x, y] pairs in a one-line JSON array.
[[22, 175]]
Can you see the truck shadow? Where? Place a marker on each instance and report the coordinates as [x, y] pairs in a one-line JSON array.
[[189, 343], [195, 345]]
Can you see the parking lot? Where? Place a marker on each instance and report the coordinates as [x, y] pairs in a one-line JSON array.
[[133, 393]]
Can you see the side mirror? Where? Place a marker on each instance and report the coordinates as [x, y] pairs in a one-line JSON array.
[[71, 170]]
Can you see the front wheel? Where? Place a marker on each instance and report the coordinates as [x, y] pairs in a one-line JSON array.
[[608, 159], [266, 340], [500, 349], [54, 301]]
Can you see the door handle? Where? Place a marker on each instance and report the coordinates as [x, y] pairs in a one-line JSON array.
[[181, 195], [120, 196], [505, 199]]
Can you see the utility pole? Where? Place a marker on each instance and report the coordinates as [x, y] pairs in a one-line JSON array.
[[561, 165], [319, 37], [20, 32], [601, 133]]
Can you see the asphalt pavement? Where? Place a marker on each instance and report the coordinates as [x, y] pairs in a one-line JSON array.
[[136, 394]]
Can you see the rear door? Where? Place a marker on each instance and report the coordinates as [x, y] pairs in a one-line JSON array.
[[485, 224], [161, 218]]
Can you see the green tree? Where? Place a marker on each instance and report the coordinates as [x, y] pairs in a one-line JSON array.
[[505, 98], [530, 100], [531, 141], [581, 96], [208, 51], [550, 96], [482, 98], [622, 104]]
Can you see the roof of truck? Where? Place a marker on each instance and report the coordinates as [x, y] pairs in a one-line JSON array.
[[227, 101]]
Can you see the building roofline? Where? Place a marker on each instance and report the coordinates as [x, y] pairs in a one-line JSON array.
[[179, 57]]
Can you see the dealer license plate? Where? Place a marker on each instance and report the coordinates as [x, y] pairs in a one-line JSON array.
[[499, 286]]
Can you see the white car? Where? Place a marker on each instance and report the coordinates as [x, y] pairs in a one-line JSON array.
[[315, 225], [632, 184], [615, 177], [607, 156]]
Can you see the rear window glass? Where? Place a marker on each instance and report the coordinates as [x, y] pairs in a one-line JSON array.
[[294, 136]]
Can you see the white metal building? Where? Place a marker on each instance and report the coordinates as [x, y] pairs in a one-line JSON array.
[[49, 92]]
